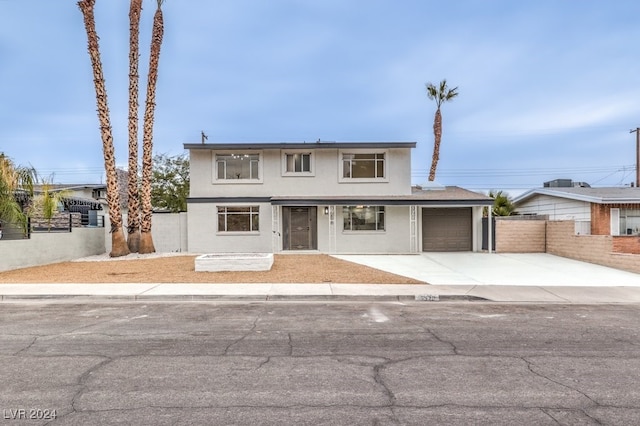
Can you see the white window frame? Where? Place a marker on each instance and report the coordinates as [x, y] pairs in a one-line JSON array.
[[312, 163], [254, 209], [215, 167], [614, 217], [379, 210], [342, 179]]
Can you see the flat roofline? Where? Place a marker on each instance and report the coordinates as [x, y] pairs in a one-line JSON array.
[[297, 145], [345, 201]]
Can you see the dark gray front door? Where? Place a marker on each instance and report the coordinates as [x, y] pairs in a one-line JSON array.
[[299, 228]]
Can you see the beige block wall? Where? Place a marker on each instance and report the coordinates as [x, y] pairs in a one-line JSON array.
[[562, 241], [520, 236]]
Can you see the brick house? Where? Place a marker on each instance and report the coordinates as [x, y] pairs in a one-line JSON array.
[[613, 211]]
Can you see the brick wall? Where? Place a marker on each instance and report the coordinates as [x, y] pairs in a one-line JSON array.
[[600, 219], [626, 244], [599, 249], [601, 216], [520, 236]]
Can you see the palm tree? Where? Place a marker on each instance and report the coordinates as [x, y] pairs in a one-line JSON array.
[[133, 215], [441, 94], [146, 241], [118, 243], [14, 181], [502, 204]]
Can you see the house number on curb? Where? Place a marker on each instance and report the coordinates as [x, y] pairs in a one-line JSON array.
[[428, 297]]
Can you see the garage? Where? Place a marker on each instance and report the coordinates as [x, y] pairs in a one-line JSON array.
[[447, 229]]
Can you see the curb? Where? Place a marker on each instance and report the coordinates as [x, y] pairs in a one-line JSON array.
[[240, 298]]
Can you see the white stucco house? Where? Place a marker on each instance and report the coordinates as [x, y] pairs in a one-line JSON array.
[[329, 197]]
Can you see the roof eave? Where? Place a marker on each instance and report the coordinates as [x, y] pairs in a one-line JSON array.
[[297, 145]]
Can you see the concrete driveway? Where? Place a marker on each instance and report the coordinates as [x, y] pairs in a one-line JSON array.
[[529, 269]]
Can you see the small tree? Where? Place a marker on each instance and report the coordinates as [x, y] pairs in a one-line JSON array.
[[46, 203], [502, 204], [14, 182], [170, 182]]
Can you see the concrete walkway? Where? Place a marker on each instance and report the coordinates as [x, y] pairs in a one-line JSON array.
[[540, 278]]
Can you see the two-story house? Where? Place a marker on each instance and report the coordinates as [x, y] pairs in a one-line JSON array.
[[331, 197]]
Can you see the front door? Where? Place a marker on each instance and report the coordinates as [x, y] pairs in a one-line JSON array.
[[299, 228]]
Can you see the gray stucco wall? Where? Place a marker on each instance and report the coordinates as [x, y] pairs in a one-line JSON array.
[[44, 248], [394, 239], [168, 230], [324, 181], [204, 237]]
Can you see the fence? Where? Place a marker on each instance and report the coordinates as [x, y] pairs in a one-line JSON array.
[[169, 232], [50, 247]]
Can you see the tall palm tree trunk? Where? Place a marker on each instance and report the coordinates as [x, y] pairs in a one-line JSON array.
[[437, 133], [133, 216], [146, 241], [118, 242]]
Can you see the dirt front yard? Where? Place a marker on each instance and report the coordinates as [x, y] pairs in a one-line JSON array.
[[290, 268]]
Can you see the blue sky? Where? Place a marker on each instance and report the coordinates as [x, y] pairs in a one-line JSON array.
[[548, 88]]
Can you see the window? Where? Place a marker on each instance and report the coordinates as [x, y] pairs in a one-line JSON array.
[[629, 221], [298, 163], [237, 166], [363, 218], [363, 166], [238, 219]]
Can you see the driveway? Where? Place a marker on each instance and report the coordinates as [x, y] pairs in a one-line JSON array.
[[521, 269]]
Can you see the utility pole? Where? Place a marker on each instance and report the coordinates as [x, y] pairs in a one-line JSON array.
[[637, 132]]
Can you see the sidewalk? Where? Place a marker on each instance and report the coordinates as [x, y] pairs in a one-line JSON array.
[[318, 292], [526, 278]]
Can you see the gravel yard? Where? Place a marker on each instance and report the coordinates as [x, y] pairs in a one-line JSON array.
[[180, 268]]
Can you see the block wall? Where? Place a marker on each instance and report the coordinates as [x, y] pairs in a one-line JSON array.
[[598, 249], [520, 236]]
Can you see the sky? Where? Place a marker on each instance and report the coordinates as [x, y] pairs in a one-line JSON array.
[[547, 88]]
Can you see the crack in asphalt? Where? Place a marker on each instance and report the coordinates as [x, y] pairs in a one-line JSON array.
[[446, 342], [380, 381], [550, 416], [81, 383], [263, 363], [290, 343], [245, 335], [530, 367], [28, 346]]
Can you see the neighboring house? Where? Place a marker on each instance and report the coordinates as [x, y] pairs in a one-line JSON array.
[[330, 197], [88, 200], [597, 211]]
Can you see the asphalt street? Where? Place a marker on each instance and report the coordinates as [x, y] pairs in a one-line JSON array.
[[319, 363]]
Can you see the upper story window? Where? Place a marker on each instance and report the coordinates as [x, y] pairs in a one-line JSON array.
[[298, 163], [230, 167], [363, 165]]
